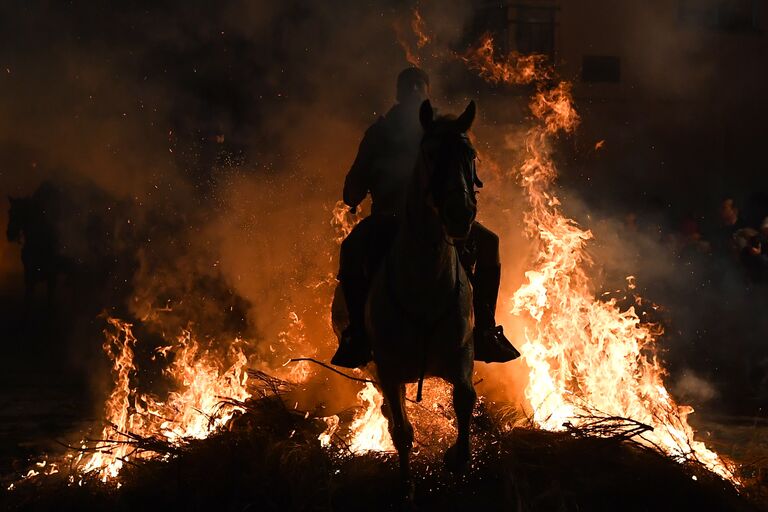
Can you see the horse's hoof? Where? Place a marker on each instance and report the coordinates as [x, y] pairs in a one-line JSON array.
[[456, 459]]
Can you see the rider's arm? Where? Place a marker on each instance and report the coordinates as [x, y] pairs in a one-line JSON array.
[[358, 181]]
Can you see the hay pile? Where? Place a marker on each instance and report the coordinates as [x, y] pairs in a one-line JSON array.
[[270, 459]]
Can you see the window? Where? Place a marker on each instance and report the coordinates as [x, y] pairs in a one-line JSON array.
[[532, 28], [600, 68], [727, 15]]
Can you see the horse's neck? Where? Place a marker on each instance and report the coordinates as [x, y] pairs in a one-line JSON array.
[[424, 263]]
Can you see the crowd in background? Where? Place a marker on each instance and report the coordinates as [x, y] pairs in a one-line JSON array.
[[726, 234]]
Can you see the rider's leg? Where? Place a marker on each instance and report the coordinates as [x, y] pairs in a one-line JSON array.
[[354, 349], [490, 343], [487, 276]]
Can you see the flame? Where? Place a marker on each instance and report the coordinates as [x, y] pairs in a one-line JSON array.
[[343, 220], [333, 425], [369, 426], [193, 411], [294, 336], [368, 431], [585, 356], [419, 29], [515, 69]]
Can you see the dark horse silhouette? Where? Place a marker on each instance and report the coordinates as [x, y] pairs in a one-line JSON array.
[[31, 222], [419, 310]]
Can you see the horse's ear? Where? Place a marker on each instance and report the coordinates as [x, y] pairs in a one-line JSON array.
[[464, 122], [426, 115]]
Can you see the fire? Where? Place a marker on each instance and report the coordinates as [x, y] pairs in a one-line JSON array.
[[368, 431], [419, 29], [288, 340], [369, 427], [515, 69], [585, 356], [343, 221], [193, 411]]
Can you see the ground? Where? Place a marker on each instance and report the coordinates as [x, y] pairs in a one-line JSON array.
[[270, 459]]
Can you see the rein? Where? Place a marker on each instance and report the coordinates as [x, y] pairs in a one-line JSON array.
[[421, 325]]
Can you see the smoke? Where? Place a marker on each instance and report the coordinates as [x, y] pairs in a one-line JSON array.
[[693, 389], [224, 133], [200, 149], [711, 314]]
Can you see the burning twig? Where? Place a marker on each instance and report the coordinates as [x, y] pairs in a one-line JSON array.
[[610, 427], [334, 370]]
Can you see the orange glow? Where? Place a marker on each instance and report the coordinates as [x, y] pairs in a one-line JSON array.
[[419, 30], [193, 411], [432, 418], [585, 356], [343, 221], [369, 427], [514, 69]]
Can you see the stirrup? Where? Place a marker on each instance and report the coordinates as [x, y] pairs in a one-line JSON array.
[[492, 346]]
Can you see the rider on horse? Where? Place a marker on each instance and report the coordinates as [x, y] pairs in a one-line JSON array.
[[384, 167]]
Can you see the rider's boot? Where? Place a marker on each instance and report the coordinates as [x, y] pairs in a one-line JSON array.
[[354, 348], [491, 346]]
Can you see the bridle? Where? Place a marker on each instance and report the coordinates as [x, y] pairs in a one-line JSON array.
[[469, 180]]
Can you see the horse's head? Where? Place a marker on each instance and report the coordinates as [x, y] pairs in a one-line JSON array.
[[449, 174], [15, 219]]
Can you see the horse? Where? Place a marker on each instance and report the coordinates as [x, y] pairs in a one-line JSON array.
[[31, 223], [418, 314]]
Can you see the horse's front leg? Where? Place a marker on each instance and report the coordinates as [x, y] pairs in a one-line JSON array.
[[464, 398], [401, 431]]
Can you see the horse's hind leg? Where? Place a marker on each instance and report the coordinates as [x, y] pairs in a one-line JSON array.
[[401, 431], [464, 397]]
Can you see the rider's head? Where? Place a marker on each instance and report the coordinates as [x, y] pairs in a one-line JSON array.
[[412, 86]]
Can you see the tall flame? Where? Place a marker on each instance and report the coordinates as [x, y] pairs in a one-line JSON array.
[[585, 356]]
